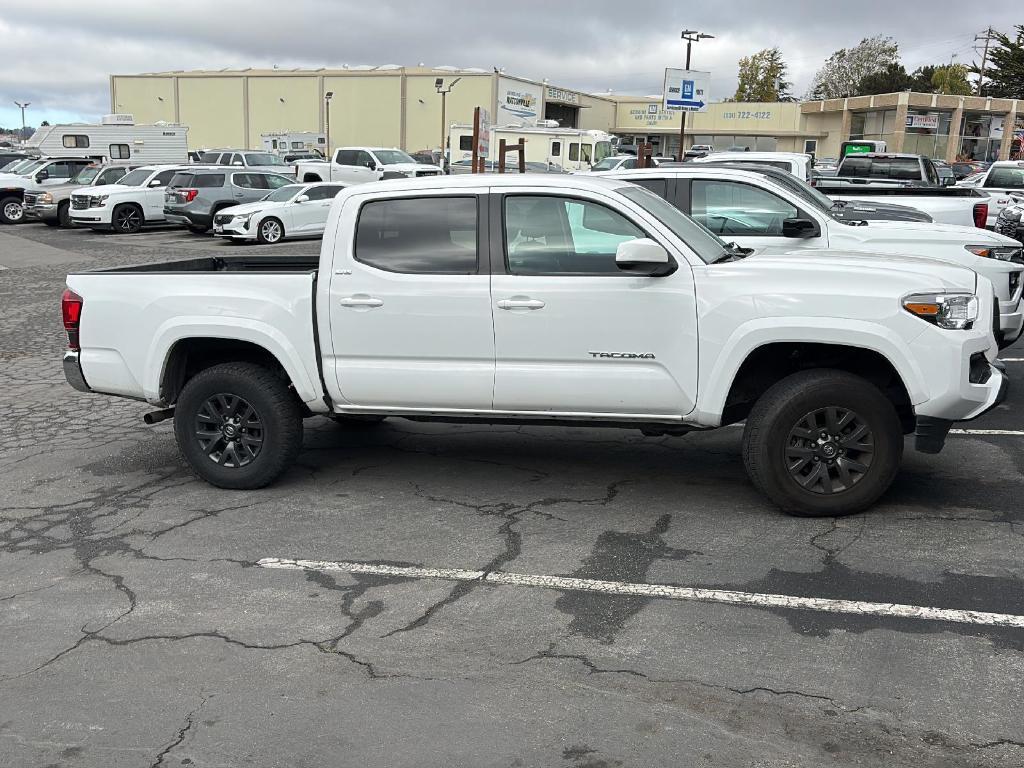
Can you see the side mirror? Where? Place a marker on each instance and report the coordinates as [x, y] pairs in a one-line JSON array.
[[155, 183], [371, 165], [42, 176], [643, 256], [302, 199], [238, 163], [798, 228]]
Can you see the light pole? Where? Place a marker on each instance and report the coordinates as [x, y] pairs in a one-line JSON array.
[[439, 86], [23, 107], [327, 114], [691, 36]]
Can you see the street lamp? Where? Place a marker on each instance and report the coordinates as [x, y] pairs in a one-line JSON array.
[[23, 107], [691, 36], [327, 104], [439, 87]]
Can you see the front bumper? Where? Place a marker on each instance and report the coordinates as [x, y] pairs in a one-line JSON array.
[[233, 229], [97, 218], [930, 434], [39, 212], [73, 372]]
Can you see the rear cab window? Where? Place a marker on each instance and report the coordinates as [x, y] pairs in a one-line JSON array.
[[424, 235]]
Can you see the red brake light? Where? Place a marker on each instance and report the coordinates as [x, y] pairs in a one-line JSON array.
[[71, 313], [190, 194], [981, 215]]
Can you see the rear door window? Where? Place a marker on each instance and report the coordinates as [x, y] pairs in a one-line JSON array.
[[427, 235], [1006, 178], [346, 157], [905, 169], [245, 180], [164, 177]]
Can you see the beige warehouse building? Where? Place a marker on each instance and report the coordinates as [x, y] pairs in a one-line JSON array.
[[379, 106]]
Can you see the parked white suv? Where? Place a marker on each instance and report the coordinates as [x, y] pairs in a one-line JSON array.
[[136, 200], [565, 300], [358, 165]]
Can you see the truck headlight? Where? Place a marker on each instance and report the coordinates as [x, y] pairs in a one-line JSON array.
[[952, 311], [243, 219], [102, 200], [1000, 252], [45, 199]]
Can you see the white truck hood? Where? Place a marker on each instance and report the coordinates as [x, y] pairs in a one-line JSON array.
[[406, 167], [920, 233], [903, 272]]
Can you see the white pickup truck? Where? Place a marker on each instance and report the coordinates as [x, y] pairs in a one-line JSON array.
[[546, 300], [757, 210], [358, 165]]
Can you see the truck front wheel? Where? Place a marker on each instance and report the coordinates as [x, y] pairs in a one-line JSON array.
[[127, 219], [11, 210], [823, 443], [238, 425]]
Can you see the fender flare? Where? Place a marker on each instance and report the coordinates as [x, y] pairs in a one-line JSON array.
[[721, 370]]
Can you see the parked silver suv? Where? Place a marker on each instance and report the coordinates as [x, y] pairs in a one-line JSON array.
[[194, 196], [52, 205]]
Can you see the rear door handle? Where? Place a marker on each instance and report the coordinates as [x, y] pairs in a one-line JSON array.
[[520, 304], [361, 301]]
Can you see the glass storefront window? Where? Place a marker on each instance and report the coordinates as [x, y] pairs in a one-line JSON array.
[[981, 136], [927, 133]]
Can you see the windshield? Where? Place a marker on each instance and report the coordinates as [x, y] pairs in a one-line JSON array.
[[602, 150], [25, 166], [85, 176], [284, 194], [262, 158], [135, 178], [706, 244], [608, 164], [391, 156]]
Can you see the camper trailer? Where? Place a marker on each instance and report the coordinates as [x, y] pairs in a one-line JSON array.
[[567, 148], [116, 138], [283, 143]]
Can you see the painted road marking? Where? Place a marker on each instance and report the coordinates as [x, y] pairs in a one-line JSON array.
[[664, 591], [1012, 359], [1001, 432]]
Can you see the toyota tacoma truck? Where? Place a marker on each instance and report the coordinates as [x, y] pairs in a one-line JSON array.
[[546, 300]]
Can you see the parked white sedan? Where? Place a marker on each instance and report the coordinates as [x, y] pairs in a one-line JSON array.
[[296, 210]]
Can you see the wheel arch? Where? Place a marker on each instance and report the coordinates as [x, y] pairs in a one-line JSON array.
[[752, 362]]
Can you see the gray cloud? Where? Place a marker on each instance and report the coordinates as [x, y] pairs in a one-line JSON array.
[[59, 53]]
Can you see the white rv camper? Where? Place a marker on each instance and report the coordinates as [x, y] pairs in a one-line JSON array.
[[117, 137], [286, 142], [568, 148]]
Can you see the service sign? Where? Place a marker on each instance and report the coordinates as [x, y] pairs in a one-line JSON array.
[[686, 90], [562, 96], [483, 144]]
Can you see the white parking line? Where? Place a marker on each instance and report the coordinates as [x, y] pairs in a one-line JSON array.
[[1012, 359], [998, 432], [664, 591]]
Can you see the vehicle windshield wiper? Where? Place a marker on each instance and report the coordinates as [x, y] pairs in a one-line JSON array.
[[733, 252]]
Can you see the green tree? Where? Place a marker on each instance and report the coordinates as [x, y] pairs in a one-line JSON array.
[[889, 80], [843, 71], [922, 78], [1004, 75], [952, 79], [762, 77]]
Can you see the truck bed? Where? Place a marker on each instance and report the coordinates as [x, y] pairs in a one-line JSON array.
[[255, 263]]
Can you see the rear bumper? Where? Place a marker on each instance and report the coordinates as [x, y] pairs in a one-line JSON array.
[[187, 218], [73, 372]]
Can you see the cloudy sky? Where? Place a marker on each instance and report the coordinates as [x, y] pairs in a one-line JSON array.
[[59, 53]]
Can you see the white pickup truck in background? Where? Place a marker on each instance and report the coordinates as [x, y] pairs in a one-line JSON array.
[[358, 165], [546, 300], [756, 211]]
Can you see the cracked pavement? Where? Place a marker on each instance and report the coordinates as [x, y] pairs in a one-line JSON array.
[[136, 630]]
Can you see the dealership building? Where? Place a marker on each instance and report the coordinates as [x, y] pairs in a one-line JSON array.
[[401, 107]]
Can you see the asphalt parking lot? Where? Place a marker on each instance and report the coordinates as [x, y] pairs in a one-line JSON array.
[[143, 625]]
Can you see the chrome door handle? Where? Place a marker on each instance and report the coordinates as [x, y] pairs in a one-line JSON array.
[[361, 301], [520, 304]]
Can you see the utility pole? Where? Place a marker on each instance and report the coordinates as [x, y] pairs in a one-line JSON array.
[[691, 36], [439, 86], [327, 117], [23, 107], [988, 36]]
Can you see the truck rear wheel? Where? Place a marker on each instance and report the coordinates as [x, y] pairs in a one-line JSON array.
[[823, 443], [11, 211], [238, 425]]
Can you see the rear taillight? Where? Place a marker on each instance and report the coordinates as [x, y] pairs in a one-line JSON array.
[[71, 313], [188, 194], [981, 215]]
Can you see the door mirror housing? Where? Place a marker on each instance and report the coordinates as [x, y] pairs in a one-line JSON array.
[[302, 199], [643, 256], [799, 228], [42, 176]]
